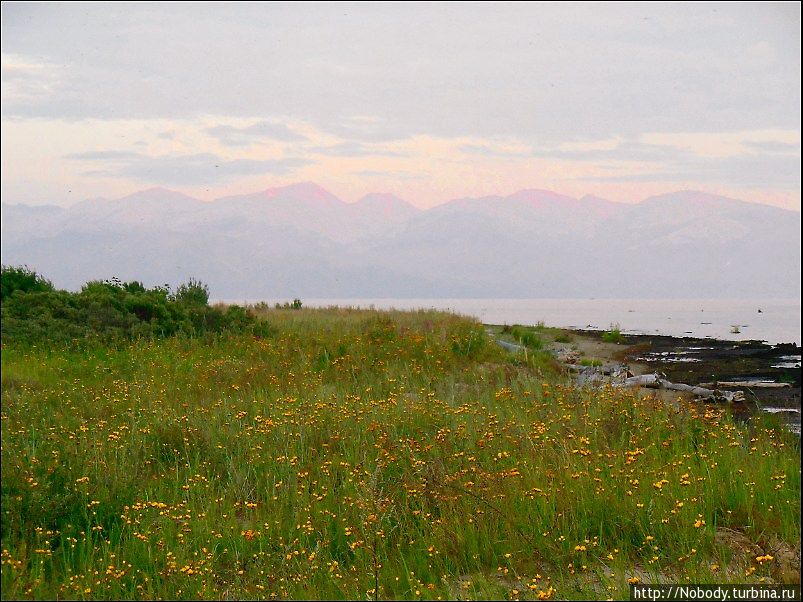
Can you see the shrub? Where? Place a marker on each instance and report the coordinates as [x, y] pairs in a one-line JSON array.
[[34, 311], [193, 292], [527, 337], [296, 304], [614, 335], [21, 279], [468, 340]]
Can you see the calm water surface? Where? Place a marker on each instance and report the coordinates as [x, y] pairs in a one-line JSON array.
[[777, 322]]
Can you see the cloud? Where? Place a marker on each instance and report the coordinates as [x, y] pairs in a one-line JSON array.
[[746, 171], [181, 170], [369, 128], [536, 72], [27, 80], [104, 156], [462, 92], [487, 150], [722, 143], [774, 147], [746, 159], [354, 149], [625, 150], [390, 175], [233, 136]]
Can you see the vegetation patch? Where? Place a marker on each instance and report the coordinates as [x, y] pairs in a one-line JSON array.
[[111, 310], [614, 335], [366, 455], [528, 336], [590, 362]]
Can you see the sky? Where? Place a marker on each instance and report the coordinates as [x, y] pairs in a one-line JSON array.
[[428, 101]]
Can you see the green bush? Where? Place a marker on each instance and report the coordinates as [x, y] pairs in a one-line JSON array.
[[21, 279], [614, 335], [193, 292], [296, 304], [468, 340], [527, 337], [34, 311]]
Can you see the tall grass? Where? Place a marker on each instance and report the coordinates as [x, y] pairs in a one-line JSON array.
[[614, 335], [360, 454]]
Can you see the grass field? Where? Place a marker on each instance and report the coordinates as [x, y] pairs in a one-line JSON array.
[[371, 455]]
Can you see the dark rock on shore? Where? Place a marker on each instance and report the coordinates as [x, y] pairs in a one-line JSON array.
[[705, 362]]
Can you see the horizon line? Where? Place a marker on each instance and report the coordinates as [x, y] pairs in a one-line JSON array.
[[396, 196]]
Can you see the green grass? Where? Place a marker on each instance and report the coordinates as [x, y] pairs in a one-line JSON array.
[[358, 454], [614, 335], [563, 337], [590, 362], [528, 336], [34, 312]]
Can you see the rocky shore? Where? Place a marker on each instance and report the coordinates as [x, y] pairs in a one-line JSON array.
[[768, 376]]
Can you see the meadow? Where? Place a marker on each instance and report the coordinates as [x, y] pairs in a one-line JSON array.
[[351, 454]]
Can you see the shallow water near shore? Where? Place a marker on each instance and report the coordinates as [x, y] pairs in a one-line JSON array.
[[778, 320]]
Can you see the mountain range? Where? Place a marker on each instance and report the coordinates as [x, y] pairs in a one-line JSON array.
[[302, 241]]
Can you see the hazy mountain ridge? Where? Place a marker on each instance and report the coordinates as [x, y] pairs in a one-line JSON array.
[[302, 240]]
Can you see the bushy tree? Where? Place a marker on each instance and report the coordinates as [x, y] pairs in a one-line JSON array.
[[110, 310], [21, 278], [193, 292]]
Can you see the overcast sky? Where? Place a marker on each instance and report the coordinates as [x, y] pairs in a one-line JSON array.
[[428, 101]]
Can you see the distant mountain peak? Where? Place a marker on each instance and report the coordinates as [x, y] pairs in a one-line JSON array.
[[539, 196], [302, 190], [156, 193], [157, 190], [592, 198], [304, 241], [381, 198], [386, 204], [690, 196], [697, 201]]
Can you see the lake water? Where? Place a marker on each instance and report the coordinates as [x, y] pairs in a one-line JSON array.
[[777, 322]]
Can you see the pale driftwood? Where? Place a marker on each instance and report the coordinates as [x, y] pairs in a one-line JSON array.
[[698, 391], [747, 383], [704, 393], [618, 375], [512, 347], [645, 380], [656, 381]]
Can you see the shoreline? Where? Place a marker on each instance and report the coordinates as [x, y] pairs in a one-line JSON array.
[[765, 319], [692, 361]]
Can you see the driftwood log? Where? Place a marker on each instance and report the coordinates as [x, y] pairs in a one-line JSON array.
[[746, 383], [512, 347], [656, 381], [619, 375]]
